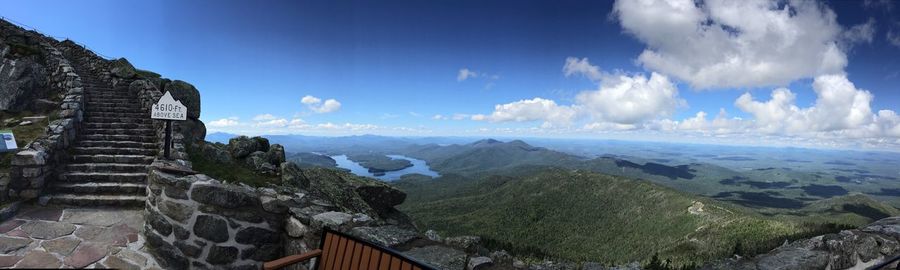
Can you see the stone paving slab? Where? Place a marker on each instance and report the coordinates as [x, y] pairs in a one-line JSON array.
[[47, 237]]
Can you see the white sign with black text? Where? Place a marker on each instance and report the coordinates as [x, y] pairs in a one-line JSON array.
[[169, 109]]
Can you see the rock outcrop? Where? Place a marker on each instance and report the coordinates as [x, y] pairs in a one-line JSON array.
[[847, 249]]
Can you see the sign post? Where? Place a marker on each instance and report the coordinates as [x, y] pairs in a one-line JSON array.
[[167, 108], [7, 141]]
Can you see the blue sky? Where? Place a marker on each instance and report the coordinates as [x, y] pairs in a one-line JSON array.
[[394, 66]]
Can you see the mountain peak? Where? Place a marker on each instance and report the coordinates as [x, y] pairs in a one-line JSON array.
[[486, 142]]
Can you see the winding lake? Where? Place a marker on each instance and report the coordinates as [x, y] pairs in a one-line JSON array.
[[418, 166]]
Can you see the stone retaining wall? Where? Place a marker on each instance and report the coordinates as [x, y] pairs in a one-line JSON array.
[[33, 166], [194, 221]]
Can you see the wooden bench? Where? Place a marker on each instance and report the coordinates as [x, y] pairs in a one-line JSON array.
[[338, 251]]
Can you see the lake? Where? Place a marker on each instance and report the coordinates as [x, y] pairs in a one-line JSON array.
[[418, 166]]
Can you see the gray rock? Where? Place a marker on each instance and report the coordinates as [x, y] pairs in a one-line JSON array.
[[259, 161], [223, 196], [62, 246], [332, 219], [389, 236], [273, 205], [219, 255], [211, 228], [433, 236], [295, 228], [25, 123], [158, 222], [793, 258], [242, 146], [257, 236], [188, 249], [39, 260], [47, 230], [23, 80], [275, 154], [501, 256], [216, 153], [479, 263], [10, 244], [382, 198], [188, 95], [122, 68], [469, 243], [440, 257], [175, 210]]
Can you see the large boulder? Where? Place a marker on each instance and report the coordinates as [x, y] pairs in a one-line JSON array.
[[342, 189], [389, 236], [215, 152], [382, 198], [258, 161], [122, 68], [275, 155], [242, 146], [440, 257], [187, 94], [22, 80], [194, 131]]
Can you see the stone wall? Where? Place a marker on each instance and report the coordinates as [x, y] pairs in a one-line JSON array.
[[194, 221], [33, 166]]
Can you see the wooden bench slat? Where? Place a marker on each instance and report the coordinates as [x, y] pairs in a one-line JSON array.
[[406, 266], [335, 244], [279, 263], [348, 255], [326, 245], [384, 261], [375, 259], [357, 252], [396, 263], [364, 260]]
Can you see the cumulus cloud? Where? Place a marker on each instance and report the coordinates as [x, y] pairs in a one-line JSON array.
[[717, 43], [841, 109], [264, 117], [581, 66], [315, 104], [531, 110], [633, 99], [224, 122], [893, 37], [621, 101], [274, 123]]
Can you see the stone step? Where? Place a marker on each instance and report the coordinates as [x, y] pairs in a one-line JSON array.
[[114, 100], [103, 119], [113, 151], [107, 167], [81, 177], [131, 138], [118, 144], [98, 200], [101, 108], [118, 114], [117, 125], [101, 188], [101, 96], [120, 131], [131, 159]]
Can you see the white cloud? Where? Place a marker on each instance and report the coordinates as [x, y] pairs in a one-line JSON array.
[[839, 106], [581, 66], [860, 33], [893, 37], [717, 43], [531, 110], [347, 126], [438, 117], [460, 116], [274, 123], [310, 100], [264, 117], [465, 74], [224, 122], [631, 99], [315, 104]]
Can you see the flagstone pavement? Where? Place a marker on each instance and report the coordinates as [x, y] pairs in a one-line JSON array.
[[53, 237]]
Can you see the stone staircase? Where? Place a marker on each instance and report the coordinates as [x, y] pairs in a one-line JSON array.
[[108, 163]]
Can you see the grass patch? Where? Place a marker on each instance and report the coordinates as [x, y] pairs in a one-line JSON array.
[[23, 134], [233, 172]]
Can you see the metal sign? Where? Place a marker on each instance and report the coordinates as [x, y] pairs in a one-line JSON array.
[[8, 141], [168, 108]]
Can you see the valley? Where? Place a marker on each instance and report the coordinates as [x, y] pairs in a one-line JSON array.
[[688, 209]]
